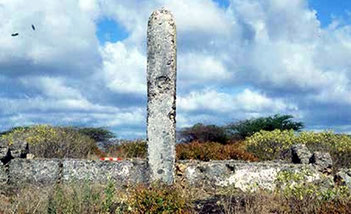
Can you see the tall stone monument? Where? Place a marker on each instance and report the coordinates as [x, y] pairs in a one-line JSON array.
[[161, 88]]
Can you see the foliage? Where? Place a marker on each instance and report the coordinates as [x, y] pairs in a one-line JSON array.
[[247, 128], [52, 142], [129, 149], [204, 133], [270, 145], [98, 134], [84, 198], [195, 150], [293, 186], [14, 129], [157, 198], [212, 151], [110, 194]]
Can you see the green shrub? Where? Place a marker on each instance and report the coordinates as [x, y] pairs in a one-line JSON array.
[[204, 133], [129, 149], [83, 198], [52, 142], [311, 197], [13, 129], [157, 198], [97, 134], [338, 145], [86, 197], [270, 145], [247, 128], [212, 151], [195, 150]]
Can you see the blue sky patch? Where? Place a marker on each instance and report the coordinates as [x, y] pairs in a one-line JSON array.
[[326, 9], [110, 31], [222, 3]]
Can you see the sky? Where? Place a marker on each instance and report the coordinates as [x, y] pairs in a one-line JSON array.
[[85, 64]]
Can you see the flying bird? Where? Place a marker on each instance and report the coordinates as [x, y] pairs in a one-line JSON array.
[[14, 34], [33, 27]]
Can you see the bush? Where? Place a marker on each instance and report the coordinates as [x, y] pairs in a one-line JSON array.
[[84, 198], [14, 129], [204, 133], [157, 198], [212, 151], [195, 150], [129, 149], [52, 142], [270, 145], [97, 134], [247, 128]]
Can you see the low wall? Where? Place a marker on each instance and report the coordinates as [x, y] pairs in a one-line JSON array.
[[242, 175]]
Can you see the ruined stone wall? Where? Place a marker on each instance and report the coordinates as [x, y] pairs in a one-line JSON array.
[[242, 175]]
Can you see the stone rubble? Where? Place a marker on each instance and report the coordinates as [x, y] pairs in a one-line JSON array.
[[343, 177], [322, 161], [15, 150], [300, 154]]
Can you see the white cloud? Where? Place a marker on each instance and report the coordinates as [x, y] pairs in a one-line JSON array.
[[199, 17], [274, 51], [64, 36], [196, 68], [124, 68], [52, 87], [210, 105], [247, 100]]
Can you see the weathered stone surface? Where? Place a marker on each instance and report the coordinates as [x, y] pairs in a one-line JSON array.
[[19, 149], [241, 175], [300, 154], [3, 174], [123, 172], [30, 156], [4, 154], [208, 173], [322, 160], [238, 174], [39, 171], [161, 105], [343, 177]]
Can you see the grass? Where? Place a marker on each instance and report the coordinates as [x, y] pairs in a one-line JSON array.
[[157, 198]]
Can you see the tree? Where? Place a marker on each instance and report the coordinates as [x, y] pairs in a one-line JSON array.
[[98, 134], [247, 128], [204, 133]]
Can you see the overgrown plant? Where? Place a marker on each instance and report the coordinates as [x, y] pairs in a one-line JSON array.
[[99, 134], [52, 142], [204, 133], [246, 128], [157, 198], [212, 151], [129, 149], [270, 145], [198, 151]]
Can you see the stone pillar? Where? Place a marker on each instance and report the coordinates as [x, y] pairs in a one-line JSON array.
[[161, 88]]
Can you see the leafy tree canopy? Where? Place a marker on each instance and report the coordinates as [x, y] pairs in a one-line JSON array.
[[247, 128]]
